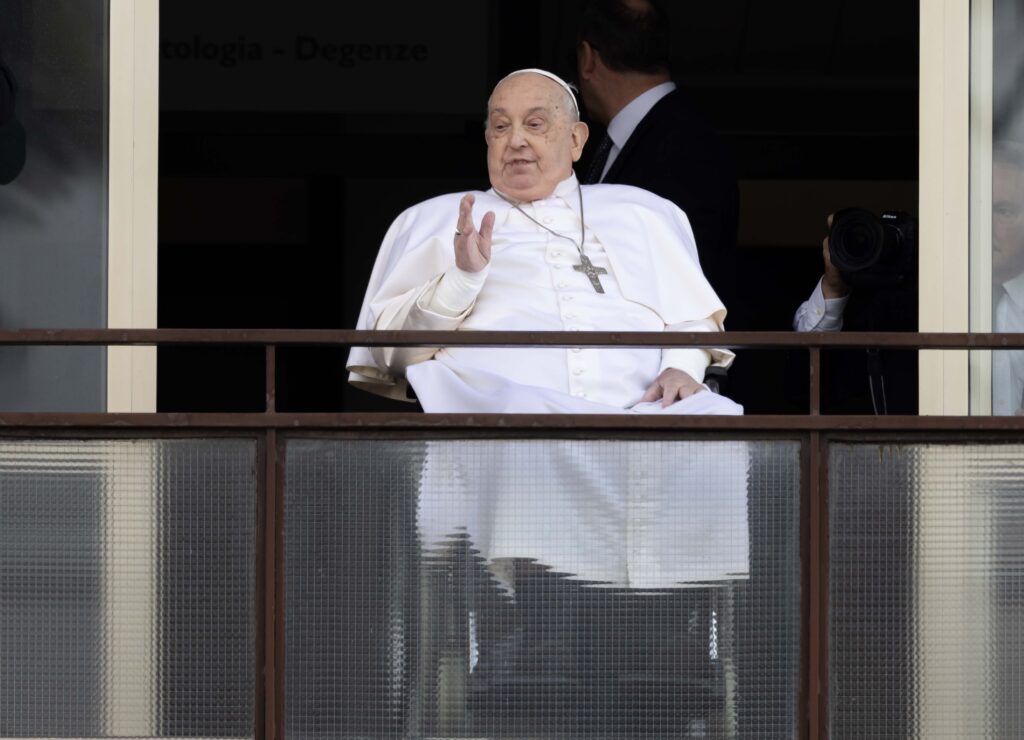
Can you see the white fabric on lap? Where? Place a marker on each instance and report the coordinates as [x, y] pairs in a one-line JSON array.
[[443, 389], [637, 514]]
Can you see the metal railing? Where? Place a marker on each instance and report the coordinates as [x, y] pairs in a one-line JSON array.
[[814, 430], [271, 339]]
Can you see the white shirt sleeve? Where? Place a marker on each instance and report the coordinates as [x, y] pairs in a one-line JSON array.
[[694, 360], [818, 313], [441, 305], [457, 292]]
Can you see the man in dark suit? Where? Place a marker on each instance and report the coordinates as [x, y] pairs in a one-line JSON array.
[[656, 139]]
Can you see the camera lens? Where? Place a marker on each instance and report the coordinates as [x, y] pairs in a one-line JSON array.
[[855, 240]]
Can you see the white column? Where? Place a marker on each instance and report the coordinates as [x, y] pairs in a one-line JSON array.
[[951, 603], [132, 240], [944, 193], [130, 582]]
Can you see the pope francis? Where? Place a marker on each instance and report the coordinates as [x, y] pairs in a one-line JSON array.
[[550, 254]]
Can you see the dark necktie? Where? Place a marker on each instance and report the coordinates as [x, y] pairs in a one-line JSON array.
[[597, 163]]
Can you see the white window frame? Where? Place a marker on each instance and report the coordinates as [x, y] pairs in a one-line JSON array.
[[946, 176], [944, 210], [132, 198]]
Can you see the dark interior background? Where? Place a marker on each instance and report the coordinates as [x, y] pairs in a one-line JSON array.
[[292, 134]]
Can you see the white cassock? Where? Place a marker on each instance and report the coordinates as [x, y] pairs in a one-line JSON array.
[[1008, 365], [653, 283]]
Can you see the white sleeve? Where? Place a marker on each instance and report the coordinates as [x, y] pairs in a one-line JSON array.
[[694, 360], [441, 305], [818, 313], [457, 292], [405, 291]]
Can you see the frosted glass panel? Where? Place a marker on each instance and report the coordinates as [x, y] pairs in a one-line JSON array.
[[127, 588], [926, 597], [541, 588]]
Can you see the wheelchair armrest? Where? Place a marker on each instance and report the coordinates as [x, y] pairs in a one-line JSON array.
[[716, 378]]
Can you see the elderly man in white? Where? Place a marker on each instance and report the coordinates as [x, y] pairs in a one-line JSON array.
[[550, 254], [1008, 274]]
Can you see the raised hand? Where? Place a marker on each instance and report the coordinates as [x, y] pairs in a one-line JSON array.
[[472, 247]]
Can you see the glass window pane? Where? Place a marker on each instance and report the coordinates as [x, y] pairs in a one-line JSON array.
[[926, 605], [53, 197], [542, 588], [1007, 200], [127, 588]]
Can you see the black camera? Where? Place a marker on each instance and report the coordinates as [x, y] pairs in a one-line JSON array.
[[873, 252]]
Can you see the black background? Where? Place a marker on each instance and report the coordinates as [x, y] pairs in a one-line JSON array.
[[801, 91]]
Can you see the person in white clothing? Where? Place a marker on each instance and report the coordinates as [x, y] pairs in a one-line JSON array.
[[547, 254], [823, 310], [539, 251], [1008, 274], [864, 381]]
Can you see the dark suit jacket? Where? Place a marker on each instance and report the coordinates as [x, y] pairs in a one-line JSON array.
[[12, 134], [6, 94], [675, 153]]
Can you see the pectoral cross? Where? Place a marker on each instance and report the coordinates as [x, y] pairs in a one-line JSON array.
[[587, 268]]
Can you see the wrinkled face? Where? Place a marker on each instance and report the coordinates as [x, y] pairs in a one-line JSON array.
[[532, 139], [1007, 221]]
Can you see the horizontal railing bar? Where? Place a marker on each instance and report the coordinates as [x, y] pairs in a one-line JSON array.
[[327, 337], [503, 422]]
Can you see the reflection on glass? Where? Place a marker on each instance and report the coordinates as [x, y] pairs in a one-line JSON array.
[[1008, 202], [1008, 273], [541, 588], [127, 588], [53, 198], [926, 605], [637, 515]]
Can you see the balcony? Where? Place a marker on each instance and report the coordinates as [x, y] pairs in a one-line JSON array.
[[281, 575]]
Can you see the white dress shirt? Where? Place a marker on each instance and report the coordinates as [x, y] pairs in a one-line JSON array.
[[622, 126], [1008, 365], [819, 313]]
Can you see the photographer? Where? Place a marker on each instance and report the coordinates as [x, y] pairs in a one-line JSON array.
[[823, 311], [869, 284]]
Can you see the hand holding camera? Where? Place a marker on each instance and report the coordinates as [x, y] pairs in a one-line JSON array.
[[868, 252], [832, 283]]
